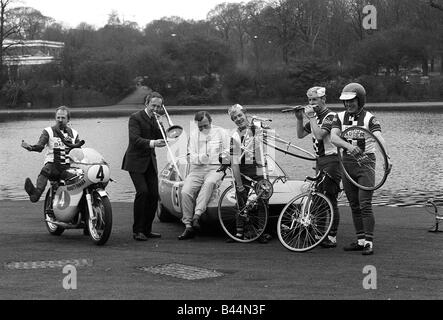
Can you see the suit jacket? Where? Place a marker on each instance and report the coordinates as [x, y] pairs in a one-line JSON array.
[[139, 154]]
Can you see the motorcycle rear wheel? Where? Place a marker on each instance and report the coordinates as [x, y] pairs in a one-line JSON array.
[[52, 228], [100, 229]]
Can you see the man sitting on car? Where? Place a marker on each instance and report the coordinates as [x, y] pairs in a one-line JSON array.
[[205, 145]]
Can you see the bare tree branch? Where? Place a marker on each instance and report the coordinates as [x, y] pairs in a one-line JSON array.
[[436, 5]]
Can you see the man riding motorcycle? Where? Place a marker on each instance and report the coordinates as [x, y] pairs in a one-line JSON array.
[[59, 140]]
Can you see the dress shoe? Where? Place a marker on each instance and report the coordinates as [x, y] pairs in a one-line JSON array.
[[139, 236], [153, 235], [196, 222], [187, 234]]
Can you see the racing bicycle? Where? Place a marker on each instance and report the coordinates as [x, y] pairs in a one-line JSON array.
[[243, 215], [305, 221], [247, 210]]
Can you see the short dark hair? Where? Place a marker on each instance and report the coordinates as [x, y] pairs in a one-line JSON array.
[[152, 95], [199, 116], [64, 108]]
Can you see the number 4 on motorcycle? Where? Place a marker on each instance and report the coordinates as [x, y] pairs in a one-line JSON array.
[[100, 174]]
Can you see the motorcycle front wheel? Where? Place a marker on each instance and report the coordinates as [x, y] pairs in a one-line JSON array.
[[48, 214], [101, 226]]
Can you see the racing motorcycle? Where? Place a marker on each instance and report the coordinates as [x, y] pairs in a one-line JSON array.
[[79, 200]]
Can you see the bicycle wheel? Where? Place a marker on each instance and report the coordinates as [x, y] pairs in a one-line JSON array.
[[305, 221], [248, 214], [372, 165]]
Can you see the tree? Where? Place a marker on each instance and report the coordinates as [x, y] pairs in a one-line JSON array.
[[231, 19], [113, 19], [436, 5], [54, 32], [220, 21], [31, 22], [7, 29]]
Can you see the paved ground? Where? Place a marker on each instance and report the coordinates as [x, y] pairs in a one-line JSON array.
[[408, 262]]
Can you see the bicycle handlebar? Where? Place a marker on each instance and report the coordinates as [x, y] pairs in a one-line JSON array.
[[321, 174], [260, 119], [223, 168]]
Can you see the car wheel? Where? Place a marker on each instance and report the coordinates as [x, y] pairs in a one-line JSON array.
[[164, 215]]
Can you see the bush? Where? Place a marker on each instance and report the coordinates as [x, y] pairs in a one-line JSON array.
[[110, 78], [239, 87]]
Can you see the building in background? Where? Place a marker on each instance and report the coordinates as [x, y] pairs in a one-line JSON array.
[[22, 54]]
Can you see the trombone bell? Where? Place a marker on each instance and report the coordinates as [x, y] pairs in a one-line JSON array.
[[174, 132]]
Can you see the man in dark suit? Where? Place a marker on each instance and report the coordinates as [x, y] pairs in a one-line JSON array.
[[140, 160]]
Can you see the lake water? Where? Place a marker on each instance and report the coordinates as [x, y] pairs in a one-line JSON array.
[[414, 138]]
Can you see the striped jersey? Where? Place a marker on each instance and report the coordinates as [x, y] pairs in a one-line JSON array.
[[57, 151], [323, 147], [365, 119]]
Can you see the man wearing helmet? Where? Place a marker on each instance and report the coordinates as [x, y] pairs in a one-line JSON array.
[[319, 126], [354, 99]]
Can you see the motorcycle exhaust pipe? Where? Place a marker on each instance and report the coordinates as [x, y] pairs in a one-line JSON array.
[[63, 224]]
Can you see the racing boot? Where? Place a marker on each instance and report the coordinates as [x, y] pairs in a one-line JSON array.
[[35, 192]]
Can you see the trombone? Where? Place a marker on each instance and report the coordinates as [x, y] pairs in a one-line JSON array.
[[173, 132]]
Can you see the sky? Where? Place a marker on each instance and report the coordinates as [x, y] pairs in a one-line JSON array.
[[96, 12]]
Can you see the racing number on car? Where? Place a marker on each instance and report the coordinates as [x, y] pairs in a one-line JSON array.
[[175, 195], [100, 174]]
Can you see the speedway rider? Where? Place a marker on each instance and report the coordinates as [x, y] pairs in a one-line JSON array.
[[59, 140], [360, 201]]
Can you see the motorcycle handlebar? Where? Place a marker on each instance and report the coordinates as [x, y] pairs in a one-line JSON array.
[[66, 142], [74, 145]]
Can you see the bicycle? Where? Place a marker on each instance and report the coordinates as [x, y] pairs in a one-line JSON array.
[[244, 215], [431, 207], [248, 210], [306, 220]]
